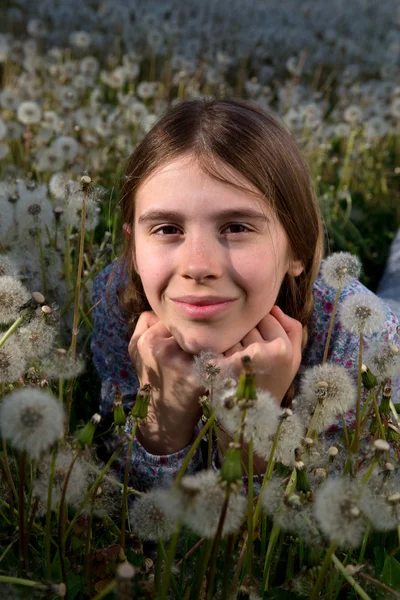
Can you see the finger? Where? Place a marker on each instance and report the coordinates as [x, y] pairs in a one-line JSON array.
[[253, 336], [292, 327], [270, 328], [236, 348]]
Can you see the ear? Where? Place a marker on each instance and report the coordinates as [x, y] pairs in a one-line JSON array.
[[295, 268], [127, 229]]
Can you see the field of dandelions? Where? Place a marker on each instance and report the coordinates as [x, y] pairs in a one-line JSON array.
[[80, 84]]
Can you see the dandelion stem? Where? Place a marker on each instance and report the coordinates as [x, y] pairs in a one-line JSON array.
[[328, 339], [165, 558], [60, 390], [228, 559], [378, 418], [201, 567], [193, 449], [15, 326], [358, 405], [357, 588], [322, 571], [238, 567], [61, 519], [7, 550], [169, 561], [214, 552], [79, 275], [91, 490], [8, 470], [24, 582], [21, 511], [125, 490], [250, 510], [41, 258], [47, 534], [106, 590], [364, 543], [273, 538]]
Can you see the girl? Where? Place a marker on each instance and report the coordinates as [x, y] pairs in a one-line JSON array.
[[224, 245]]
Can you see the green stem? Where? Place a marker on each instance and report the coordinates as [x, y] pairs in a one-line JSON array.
[[214, 552], [357, 588], [169, 561], [364, 544], [7, 550], [62, 518], [125, 490], [250, 511], [273, 538], [165, 558], [322, 571], [24, 582], [193, 449], [21, 511], [15, 326], [41, 258], [47, 535], [328, 339], [79, 276], [201, 567]]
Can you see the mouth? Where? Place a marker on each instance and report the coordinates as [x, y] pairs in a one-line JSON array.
[[202, 311]]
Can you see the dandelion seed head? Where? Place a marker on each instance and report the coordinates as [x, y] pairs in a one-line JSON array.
[[77, 483], [12, 362], [32, 420], [13, 295], [148, 517], [380, 501], [339, 269], [362, 314], [338, 513], [67, 147], [202, 510], [298, 518], [36, 338], [384, 361], [60, 363], [339, 396], [29, 113], [272, 496], [6, 219], [8, 267]]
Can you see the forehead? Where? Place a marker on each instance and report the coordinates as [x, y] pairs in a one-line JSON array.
[[182, 181]]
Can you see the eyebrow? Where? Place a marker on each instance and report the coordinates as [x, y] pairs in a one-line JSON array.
[[173, 215]]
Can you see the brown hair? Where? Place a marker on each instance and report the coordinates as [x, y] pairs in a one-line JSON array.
[[258, 147]]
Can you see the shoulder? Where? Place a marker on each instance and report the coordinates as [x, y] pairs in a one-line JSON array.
[[115, 273]]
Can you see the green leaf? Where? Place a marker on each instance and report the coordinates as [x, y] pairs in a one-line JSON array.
[[391, 573], [75, 584]]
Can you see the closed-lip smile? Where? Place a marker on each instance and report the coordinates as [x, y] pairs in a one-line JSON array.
[[202, 300]]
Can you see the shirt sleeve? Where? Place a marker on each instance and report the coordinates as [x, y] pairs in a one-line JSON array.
[[110, 340], [344, 346]]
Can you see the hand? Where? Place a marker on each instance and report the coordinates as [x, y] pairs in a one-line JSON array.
[[174, 410], [274, 346]]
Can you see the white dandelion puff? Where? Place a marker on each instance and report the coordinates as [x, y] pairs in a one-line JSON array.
[[384, 361], [49, 159], [380, 501], [338, 513], [31, 420], [148, 517], [36, 338], [203, 499], [13, 295], [353, 114], [58, 186], [33, 209], [77, 483], [290, 437], [8, 267], [297, 518], [6, 219], [339, 394], [272, 496], [12, 362], [362, 314], [66, 147], [29, 113], [339, 269], [4, 151], [61, 364], [3, 129]]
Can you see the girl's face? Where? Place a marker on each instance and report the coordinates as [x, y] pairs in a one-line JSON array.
[[199, 240]]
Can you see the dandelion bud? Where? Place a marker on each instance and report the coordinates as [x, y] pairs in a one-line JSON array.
[[231, 470], [294, 500], [58, 212], [308, 441], [136, 554], [118, 411], [141, 406], [389, 467], [286, 412], [46, 310], [394, 498], [38, 297], [85, 436], [125, 575], [381, 446], [302, 483], [368, 378]]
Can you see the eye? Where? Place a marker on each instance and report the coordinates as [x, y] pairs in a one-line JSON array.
[[237, 228], [167, 229]]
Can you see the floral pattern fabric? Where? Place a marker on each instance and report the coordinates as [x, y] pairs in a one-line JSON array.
[[109, 346]]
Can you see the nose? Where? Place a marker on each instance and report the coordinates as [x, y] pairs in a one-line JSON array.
[[201, 257]]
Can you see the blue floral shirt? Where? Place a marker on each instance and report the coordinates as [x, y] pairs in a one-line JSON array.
[[110, 342]]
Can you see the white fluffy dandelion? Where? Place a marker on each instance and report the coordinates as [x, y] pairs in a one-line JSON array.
[[29, 113], [77, 482], [60, 364], [58, 186], [36, 338], [297, 518], [203, 499], [290, 437], [32, 420], [6, 219], [362, 314], [338, 513], [339, 269], [380, 501], [33, 209], [339, 393], [66, 147], [272, 496], [384, 361], [49, 159], [13, 295], [74, 212], [12, 362], [8, 266], [148, 516]]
